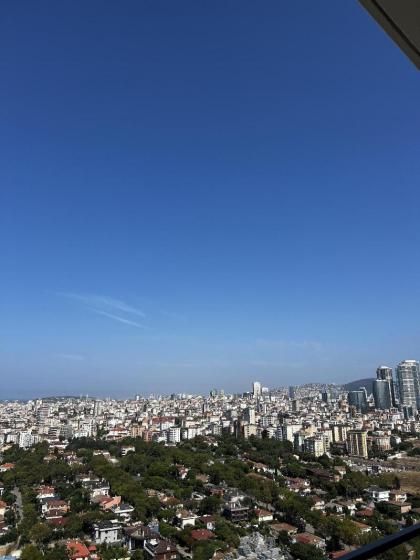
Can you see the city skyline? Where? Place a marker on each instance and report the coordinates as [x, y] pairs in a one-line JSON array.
[[190, 197], [390, 389]]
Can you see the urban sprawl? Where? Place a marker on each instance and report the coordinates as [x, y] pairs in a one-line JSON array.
[[301, 472]]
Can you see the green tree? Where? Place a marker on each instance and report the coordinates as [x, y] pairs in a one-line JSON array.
[[210, 505], [40, 533], [57, 553], [31, 552], [306, 552]]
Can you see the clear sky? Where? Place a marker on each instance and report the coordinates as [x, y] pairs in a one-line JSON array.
[[196, 194]]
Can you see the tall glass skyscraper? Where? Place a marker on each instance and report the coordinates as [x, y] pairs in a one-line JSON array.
[[382, 394], [408, 376], [358, 399], [384, 389]]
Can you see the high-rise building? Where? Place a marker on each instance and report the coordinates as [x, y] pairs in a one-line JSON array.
[[256, 389], [357, 443], [382, 394], [248, 430], [249, 415], [408, 376], [174, 434], [339, 433], [97, 408], [358, 399], [296, 403], [315, 445], [287, 431], [42, 413], [384, 373]]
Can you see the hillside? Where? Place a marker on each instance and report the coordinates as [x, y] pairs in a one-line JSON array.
[[354, 385]]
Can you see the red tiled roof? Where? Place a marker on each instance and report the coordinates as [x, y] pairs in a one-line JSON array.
[[77, 550], [284, 527], [307, 538], [201, 534]]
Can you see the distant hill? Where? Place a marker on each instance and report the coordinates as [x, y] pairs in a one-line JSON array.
[[354, 385]]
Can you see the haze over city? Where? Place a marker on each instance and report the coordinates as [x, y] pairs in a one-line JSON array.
[[190, 198]]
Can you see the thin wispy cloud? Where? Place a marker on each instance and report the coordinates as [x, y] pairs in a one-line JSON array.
[[106, 302], [118, 318], [109, 307]]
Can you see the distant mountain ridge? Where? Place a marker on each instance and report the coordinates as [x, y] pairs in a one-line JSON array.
[[354, 385]]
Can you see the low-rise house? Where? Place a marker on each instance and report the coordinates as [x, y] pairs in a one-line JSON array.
[[346, 506], [261, 467], [324, 474], [263, 516], [7, 467], [45, 492], [362, 527], [137, 534], [160, 549], [107, 532], [400, 507], [318, 503], [334, 507], [185, 518], [209, 521], [397, 496], [54, 516], [107, 502], [97, 488], [309, 538], [277, 528], [298, 485], [77, 550], [199, 535], [377, 494], [215, 490], [122, 510], [170, 501], [55, 505], [236, 512]]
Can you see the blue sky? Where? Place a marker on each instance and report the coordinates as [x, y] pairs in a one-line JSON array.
[[199, 194]]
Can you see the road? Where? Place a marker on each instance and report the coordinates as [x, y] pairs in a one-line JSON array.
[[19, 511], [18, 504]]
